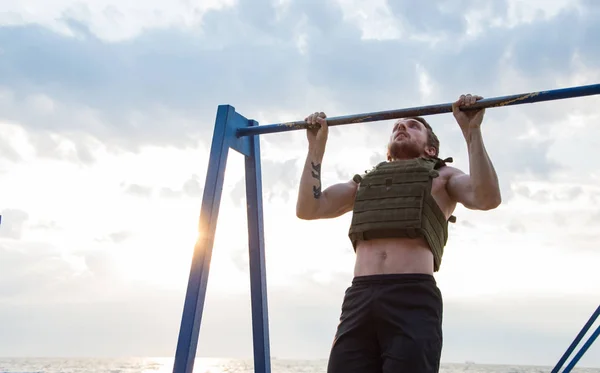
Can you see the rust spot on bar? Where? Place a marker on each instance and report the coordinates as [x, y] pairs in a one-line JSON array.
[[524, 97], [296, 125], [360, 120]]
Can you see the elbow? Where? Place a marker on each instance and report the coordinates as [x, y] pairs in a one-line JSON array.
[[304, 215], [491, 202], [301, 215]]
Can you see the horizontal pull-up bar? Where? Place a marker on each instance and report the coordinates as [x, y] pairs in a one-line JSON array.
[[525, 98]]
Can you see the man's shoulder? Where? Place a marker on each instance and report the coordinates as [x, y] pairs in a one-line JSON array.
[[449, 171], [448, 168]]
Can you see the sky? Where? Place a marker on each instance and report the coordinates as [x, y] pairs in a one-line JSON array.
[[107, 110]]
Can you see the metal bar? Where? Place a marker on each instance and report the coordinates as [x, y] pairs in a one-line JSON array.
[[524, 98], [583, 350], [258, 281], [577, 339], [198, 279]]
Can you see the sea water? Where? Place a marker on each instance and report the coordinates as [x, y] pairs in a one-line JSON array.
[[214, 365]]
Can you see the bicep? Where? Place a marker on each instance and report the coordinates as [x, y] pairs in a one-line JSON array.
[[337, 199], [460, 189]]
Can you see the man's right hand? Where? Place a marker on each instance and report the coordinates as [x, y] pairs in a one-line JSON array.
[[317, 137]]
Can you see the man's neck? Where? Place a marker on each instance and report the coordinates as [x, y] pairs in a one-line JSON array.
[[406, 157]]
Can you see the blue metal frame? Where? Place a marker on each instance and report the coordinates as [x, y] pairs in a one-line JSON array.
[[227, 122], [576, 341], [234, 131]]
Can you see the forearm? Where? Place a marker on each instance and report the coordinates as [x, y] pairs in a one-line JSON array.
[[310, 190], [484, 179]]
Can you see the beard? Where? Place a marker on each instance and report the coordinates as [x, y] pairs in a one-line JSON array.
[[404, 150]]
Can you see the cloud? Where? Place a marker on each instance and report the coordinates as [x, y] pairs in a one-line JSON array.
[[191, 188], [12, 224], [111, 20], [145, 90], [112, 108], [31, 272], [138, 190], [303, 319], [279, 179], [101, 264], [7, 151], [517, 227], [116, 237]]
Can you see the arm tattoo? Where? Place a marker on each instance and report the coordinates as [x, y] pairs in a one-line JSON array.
[[316, 173]]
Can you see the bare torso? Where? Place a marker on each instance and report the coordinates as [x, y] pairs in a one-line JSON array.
[[403, 255]]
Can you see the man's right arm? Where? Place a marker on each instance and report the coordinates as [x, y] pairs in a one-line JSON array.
[[315, 203]]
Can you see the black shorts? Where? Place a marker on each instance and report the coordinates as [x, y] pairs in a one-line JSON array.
[[389, 323]]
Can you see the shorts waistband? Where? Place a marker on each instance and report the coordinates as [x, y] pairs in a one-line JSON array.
[[394, 278]]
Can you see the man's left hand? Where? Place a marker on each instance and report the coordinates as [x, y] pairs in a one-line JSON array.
[[468, 119]]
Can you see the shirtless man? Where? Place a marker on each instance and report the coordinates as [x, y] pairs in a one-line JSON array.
[[391, 317]]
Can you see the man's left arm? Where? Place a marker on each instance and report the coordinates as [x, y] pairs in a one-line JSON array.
[[478, 190]]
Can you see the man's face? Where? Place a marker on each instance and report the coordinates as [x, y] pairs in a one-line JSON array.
[[408, 139]]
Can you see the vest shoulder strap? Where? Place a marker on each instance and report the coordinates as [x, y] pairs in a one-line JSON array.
[[442, 162], [358, 178]]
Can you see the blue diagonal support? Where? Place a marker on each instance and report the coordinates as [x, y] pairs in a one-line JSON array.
[[576, 341], [198, 280], [582, 351]]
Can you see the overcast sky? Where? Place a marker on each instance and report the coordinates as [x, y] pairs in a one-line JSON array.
[[106, 116]]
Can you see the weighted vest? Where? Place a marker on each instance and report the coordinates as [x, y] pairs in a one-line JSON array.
[[394, 200]]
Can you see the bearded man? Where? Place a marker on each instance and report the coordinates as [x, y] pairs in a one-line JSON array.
[[391, 316]]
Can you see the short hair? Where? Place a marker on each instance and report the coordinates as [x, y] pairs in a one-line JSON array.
[[432, 139]]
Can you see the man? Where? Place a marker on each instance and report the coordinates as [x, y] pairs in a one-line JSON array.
[[391, 317]]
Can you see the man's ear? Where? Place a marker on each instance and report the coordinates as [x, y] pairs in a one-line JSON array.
[[430, 151]]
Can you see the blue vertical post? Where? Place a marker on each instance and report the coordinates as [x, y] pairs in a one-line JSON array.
[[196, 291], [258, 282]]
